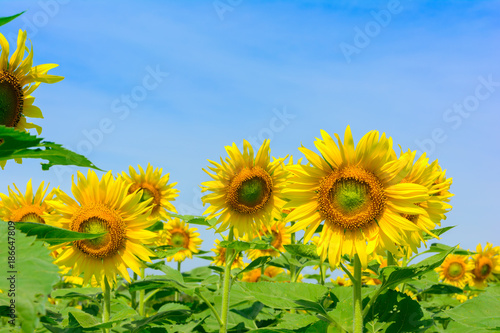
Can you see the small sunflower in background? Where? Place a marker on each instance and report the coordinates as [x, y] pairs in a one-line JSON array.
[[279, 237], [436, 206], [255, 275], [177, 233], [486, 263], [356, 193], [103, 206], [153, 185], [342, 281], [220, 257], [245, 189], [28, 207], [456, 270]]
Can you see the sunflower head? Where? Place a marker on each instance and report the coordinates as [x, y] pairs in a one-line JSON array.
[[245, 189], [279, 237], [456, 270], [18, 79], [103, 206], [30, 207], [486, 263], [177, 233], [357, 193], [220, 256], [153, 185]]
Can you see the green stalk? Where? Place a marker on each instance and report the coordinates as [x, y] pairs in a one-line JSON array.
[[207, 302], [226, 284], [106, 309], [322, 274], [358, 306], [133, 295], [177, 292], [141, 296], [390, 259]]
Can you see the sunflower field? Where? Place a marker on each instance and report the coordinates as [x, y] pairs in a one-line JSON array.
[[349, 238]]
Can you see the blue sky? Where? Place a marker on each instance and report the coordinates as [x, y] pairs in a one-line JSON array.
[[426, 73]]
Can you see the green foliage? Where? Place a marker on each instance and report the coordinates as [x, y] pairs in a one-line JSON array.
[[53, 235], [34, 275], [17, 144], [7, 19]]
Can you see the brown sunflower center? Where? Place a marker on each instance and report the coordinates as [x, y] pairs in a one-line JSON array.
[[250, 190], [97, 218], [148, 191], [456, 270], [483, 267], [179, 239], [11, 99], [29, 213], [351, 197], [276, 241]]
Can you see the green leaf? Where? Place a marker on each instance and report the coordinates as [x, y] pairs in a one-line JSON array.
[[301, 250], [173, 307], [244, 246], [438, 232], [33, 272], [393, 275], [7, 19], [193, 219], [166, 251], [53, 235], [161, 318], [399, 312], [441, 248], [255, 264], [294, 321], [442, 289], [480, 311], [17, 144], [76, 292]]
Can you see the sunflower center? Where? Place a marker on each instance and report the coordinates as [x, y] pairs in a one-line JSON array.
[[250, 190], [148, 192], [98, 218], [276, 242], [11, 99], [32, 217], [351, 198], [455, 270], [178, 239], [483, 267]]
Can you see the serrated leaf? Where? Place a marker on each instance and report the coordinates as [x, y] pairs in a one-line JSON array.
[[438, 232], [294, 321], [442, 289], [7, 19], [17, 144], [53, 235], [301, 250], [244, 246], [33, 272]]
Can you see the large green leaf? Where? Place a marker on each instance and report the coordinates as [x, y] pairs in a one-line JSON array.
[[398, 312], [53, 235], [17, 144], [479, 312], [259, 262], [7, 19], [301, 250], [33, 271]]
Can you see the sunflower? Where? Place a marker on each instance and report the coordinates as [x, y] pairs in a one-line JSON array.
[[279, 237], [245, 189], [103, 206], [25, 208], [153, 185], [486, 263], [177, 233], [220, 256], [456, 270], [357, 193], [434, 179], [342, 281], [255, 274], [18, 79]]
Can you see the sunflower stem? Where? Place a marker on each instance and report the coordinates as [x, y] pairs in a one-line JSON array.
[[177, 292], [133, 295], [358, 306], [322, 274], [142, 292], [207, 302], [227, 284], [347, 272], [106, 309]]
